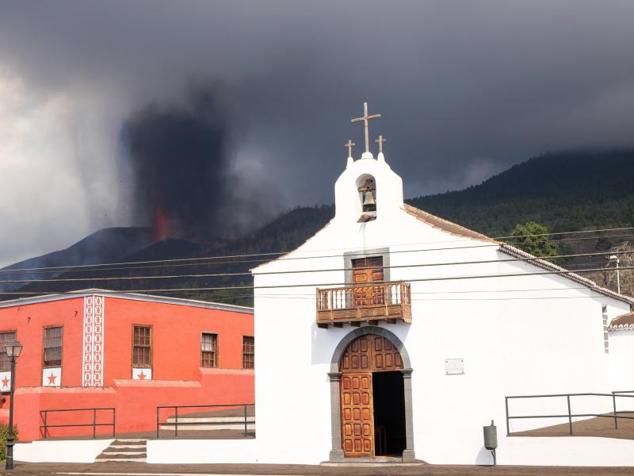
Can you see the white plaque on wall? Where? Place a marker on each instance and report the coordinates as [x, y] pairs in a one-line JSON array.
[[141, 374], [5, 381], [52, 377], [454, 366]]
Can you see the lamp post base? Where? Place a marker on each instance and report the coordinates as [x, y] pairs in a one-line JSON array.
[[10, 443]]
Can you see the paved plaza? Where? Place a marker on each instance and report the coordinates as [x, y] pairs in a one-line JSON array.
[[116, 469]]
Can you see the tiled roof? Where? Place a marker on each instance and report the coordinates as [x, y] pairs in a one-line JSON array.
[[623, 322], [459, 230], [445, 225]]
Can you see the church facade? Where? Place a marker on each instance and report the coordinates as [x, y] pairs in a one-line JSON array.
[[124, 352], [392, 333]]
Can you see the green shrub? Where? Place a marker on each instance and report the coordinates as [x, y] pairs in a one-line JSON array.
[[4, 432]]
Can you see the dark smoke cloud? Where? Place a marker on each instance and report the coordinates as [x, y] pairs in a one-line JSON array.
[[184, 170], [179, 158], [466, 89]]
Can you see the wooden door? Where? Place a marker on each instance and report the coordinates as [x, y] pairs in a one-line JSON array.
[[357, 414], [366, 271], [370, 353], [364, 355]]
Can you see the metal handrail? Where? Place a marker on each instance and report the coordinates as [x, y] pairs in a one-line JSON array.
[[44, 427], [569, 414], [176, 408]]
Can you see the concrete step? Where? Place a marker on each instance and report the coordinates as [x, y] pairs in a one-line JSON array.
[[125, 450], [127, 447], [210, 419], [142, 459], [191, 423], [250, 428]]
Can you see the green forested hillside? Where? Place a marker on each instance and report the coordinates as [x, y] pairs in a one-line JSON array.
[[567, 191]]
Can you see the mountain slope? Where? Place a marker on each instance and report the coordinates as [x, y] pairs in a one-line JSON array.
[[286, 232], [103, 246], [567, 191]]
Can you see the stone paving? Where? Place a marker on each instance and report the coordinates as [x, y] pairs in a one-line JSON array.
[[115, 469], [600, 426]]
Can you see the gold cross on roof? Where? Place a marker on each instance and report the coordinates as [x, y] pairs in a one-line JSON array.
[[365, 118], [381, 140], [349, 145]]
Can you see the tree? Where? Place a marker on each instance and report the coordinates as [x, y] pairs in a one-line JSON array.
[[533, 238]]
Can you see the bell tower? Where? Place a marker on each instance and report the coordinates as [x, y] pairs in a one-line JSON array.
[[368, 190]]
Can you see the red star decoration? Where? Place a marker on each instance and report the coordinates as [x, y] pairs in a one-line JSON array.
[[5, 382], [51, 379], [141, 375]]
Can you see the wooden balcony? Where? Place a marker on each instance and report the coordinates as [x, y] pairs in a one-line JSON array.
[[372, 303]]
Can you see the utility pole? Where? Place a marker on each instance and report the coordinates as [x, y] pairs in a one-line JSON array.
[[616, 259]]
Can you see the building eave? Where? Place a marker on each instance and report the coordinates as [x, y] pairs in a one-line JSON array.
[[563, 272], [261, 268], [446, 225], [123, 295], [621, 328], [624, 322], [459, 230]]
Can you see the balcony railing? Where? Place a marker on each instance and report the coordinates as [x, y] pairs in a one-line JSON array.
[[390, 302]]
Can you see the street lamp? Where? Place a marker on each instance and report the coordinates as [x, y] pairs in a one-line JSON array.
[[616, 259], [13, 349]]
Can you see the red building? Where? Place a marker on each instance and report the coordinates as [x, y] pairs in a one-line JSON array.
[[121, 351]]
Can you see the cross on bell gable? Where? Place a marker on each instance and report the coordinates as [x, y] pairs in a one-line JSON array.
[[349, 145], [366, 118], [381, 140]]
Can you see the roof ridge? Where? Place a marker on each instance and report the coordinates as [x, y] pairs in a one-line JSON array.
[[455, 229], [544, 264], [446, 225]]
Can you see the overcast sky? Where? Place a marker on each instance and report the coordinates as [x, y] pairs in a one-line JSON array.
[[466, 89]]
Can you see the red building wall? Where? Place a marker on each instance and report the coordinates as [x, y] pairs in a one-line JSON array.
[[177, 378], [176, 337], [29, 321]]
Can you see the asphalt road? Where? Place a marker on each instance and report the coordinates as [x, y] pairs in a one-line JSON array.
[[116, 469]]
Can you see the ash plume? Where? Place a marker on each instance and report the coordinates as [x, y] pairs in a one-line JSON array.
[[179, 160]]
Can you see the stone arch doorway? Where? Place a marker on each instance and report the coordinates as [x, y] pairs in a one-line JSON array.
[[371, 396]]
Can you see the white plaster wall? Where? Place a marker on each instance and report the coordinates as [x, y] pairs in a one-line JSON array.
[[524, 335], [566, 451], [622, 366], [553, 343], [201, 451], [63, 451]]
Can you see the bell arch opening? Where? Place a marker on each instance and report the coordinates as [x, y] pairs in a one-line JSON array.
[[371, 396], [366, 186]]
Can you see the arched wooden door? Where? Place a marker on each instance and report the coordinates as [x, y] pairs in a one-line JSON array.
[[362, 357]]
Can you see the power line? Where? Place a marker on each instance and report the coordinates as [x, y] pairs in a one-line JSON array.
[[302, 271], [502, 298], [199, 260], [561, 272], [103, 265], [311, 294]]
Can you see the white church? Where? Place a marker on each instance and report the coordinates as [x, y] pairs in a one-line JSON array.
[[395, 335]]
